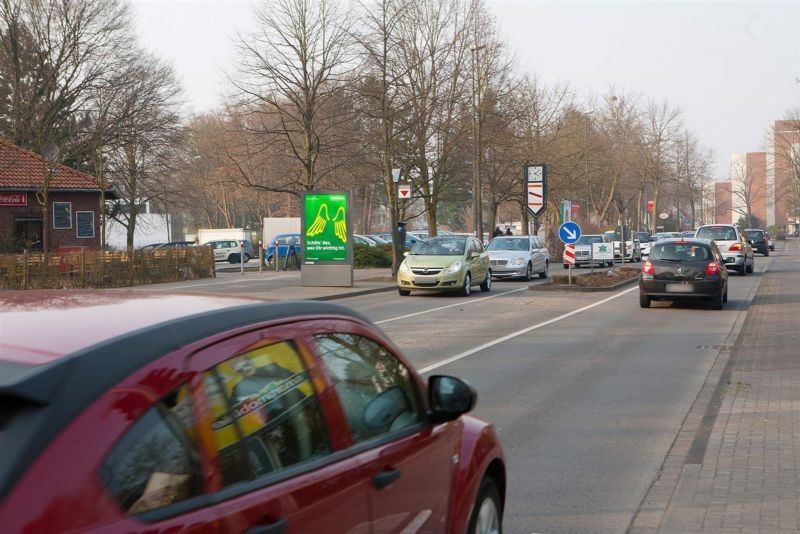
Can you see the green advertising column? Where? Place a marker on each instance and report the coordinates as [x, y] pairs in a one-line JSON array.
[[327, 240]]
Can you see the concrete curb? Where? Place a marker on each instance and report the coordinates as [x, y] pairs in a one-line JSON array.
[[355, 293], [583, 289]]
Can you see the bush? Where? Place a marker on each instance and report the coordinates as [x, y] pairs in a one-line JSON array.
[[367, 256]]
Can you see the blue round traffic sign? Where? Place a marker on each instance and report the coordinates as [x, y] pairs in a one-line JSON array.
[[569, 232]]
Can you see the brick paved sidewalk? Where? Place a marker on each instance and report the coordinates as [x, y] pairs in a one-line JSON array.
[[746, 478]]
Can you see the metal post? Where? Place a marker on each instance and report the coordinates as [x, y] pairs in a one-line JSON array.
[[569, 275], [260, 256], [241, 257]]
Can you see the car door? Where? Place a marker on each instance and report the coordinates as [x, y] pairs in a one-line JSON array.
[[538, 255], [481, 261], [265, 414], [410, 462]]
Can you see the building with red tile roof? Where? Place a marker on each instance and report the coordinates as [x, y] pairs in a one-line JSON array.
[[74, 198]]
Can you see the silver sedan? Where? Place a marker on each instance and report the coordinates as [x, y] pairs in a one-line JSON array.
[[518, 257]]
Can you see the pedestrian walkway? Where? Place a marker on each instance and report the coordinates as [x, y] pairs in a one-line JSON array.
[[735, 466]]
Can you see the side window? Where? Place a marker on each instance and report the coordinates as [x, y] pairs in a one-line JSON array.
[[373, 386], [156, 463], [265, 413]]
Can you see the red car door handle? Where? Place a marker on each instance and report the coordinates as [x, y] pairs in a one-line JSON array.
[[278, 527], [385, 477]]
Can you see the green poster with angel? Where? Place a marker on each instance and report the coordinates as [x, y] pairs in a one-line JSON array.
[[325, 216]]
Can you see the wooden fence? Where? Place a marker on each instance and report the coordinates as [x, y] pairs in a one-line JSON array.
[[98, 269]]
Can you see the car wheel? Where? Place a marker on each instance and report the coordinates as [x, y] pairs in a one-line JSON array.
[[246, 257], [546, 271], [486, 517], [487, 284], [404, 292], [716, 302], [233, 259], [467, 289], [644, 301], [725, 295], [528, 272]]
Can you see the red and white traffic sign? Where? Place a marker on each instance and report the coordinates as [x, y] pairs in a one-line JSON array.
[[404, 191], [569, 254], [536, 197]]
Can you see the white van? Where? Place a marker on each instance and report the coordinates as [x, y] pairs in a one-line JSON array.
[[228, 250]]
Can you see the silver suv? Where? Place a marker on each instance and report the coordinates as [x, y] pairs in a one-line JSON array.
[[732, 244], [228, 250]]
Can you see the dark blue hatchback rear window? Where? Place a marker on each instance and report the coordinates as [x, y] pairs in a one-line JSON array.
[[681, 252]]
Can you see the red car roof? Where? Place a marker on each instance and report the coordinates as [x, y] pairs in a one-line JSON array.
[[38, 327]]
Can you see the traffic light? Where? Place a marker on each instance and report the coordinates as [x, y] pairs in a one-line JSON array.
[[651, 205]]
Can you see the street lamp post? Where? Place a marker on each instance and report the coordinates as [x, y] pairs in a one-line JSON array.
[[476, 132]]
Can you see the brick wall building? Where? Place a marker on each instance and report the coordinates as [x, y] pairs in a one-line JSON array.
[[73, 200], [783, 172]]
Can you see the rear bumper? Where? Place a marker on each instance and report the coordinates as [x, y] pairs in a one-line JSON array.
[[675, 289]]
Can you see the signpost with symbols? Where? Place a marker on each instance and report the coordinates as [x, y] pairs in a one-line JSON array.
[[536, 188], [569, 233], [404, 191]]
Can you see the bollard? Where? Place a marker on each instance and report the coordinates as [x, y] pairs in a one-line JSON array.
[[260, 256], [241, 257]]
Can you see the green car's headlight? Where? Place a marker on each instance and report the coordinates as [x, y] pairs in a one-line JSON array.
[[453, 267], [404, 268], [516, 262]]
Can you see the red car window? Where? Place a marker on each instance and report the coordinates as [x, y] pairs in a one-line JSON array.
[[156, 463], [265, 413], [374, 387]]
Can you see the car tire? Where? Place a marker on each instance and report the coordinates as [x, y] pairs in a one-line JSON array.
[[725, 295], [467, 289], [233, 259], [487, 514], [716, 302], [644, 301], [544, 274], [487, 284], [404, 292], [528, 272]]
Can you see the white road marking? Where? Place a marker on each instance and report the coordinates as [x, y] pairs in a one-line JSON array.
[[499, 340], [462, 303]]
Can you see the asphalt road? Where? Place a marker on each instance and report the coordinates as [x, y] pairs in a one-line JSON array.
[[587, 391]]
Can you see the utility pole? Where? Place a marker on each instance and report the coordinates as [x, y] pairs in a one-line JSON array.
[[586, 159]]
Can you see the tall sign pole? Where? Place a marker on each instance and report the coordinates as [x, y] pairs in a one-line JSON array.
[[535, 182]]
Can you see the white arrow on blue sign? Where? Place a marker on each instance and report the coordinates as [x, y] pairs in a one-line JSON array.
[[569, 232]]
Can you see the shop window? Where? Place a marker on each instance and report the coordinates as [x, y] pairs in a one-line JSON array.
[[62, 215], [85, 223]]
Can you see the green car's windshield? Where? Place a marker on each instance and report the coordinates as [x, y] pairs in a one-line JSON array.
[[440, 246], [515, 243]]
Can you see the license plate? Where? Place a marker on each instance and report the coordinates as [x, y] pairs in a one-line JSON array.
[[679, 288]]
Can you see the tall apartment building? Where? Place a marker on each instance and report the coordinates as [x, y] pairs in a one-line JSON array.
[[723, 200], [783, 173]]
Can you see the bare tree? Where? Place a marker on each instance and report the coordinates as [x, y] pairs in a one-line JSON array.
[[291, 72]]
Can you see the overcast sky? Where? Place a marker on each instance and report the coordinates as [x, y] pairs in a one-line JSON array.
[[730, 67]]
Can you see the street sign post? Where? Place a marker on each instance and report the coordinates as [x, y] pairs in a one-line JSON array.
[[535, 178], [569, 232], [569, 260]]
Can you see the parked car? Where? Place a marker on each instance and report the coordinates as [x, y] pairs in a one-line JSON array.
[[732, 244], [282, 242], [758, 239], [583, 250], [452, 263], [229, 250], [151, 247], [644, 243], [219, 414], [632, 251], [518, 256], [174, 244], [411, 239], [687, 233], [666, 235], [359, 239], [684, 269], [378, 239]]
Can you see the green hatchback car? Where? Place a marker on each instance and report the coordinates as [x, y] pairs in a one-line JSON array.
[[450, 262]]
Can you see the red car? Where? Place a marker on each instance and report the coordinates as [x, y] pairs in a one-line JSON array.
[[146, 412]]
